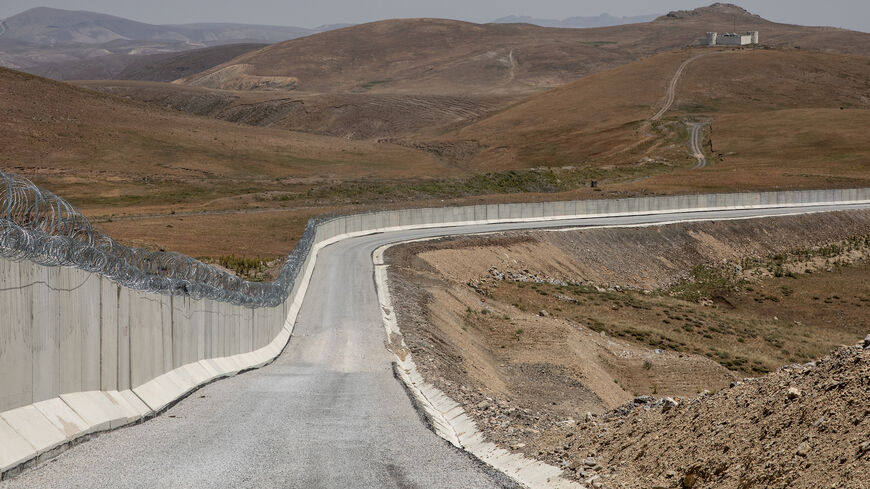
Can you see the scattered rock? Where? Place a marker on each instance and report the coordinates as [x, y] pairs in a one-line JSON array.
[[793, 393], [803, 449], [867, 342], [483, 405], [689, 480], [544, 314], [668, 403], [589, 417], [590, 462]]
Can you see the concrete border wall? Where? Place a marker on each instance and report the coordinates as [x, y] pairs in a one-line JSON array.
[[80, 353], [503, 213]]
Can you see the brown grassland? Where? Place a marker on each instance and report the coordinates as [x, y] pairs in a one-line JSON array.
[[260, 163]]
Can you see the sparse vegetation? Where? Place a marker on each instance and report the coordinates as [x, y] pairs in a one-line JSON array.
[[248, 268], [751, 315], [374, 83]]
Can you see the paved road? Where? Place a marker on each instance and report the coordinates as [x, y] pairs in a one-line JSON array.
[[695, 145], [327, 414]]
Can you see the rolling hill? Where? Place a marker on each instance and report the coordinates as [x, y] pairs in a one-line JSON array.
[[446, 57], [172, 66], [787, 118], [105, 151], [347, 115], [417, 114], [603, 20], [63, 64], [49, 26], [75, 45]]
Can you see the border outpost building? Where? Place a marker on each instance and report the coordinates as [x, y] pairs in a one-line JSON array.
[[732, 39]]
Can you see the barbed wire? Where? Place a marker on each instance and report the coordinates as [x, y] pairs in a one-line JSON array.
[[39, 226]]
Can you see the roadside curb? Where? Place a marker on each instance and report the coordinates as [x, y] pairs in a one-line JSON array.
[[449, 420]]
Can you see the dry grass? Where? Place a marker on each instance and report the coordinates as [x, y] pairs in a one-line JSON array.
[[115, 157], [773, 322], [449, 57], [752, 295], [600, 119], [800, 148]]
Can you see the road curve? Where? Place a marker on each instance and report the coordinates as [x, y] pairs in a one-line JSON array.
[[327, 413], [672, 88], [695, 131]]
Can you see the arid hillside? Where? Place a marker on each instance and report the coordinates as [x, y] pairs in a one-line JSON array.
[[346, 115], [104, 152], [172, 66], [270, 158], [49, 26], [62, 62], [772, 119], [438, 56], [760, 105], [477, 94], [617, 353], [81, 45]]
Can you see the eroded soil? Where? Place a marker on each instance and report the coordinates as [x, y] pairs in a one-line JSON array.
[[562, 345]]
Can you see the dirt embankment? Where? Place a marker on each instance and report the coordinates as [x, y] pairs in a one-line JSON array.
[[562, 344], [637, 258], [804, 426]]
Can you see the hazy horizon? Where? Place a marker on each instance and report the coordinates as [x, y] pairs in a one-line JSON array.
[[849, 14]]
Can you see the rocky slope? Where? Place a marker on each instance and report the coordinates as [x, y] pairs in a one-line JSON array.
[[804, 426], [552, 342]]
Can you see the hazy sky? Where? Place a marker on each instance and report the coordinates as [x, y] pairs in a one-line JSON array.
[[852, 14]]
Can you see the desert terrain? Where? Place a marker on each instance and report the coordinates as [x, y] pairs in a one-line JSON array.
[[509, 112], [76, 44], [693, 355], [641, 348]]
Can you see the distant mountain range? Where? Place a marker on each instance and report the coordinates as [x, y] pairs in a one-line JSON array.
[[603, 20], [48, 26], [67, 44]]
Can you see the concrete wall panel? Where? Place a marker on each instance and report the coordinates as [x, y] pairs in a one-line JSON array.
[[166, 333], [89, 322], [43, 318], [124, 379], [70, 329], [16, 353], [146, 338], [108, 335]]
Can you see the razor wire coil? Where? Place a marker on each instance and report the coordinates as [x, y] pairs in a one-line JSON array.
[[39, 226]]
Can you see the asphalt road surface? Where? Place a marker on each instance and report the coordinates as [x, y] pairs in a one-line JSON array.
[[328, 413]]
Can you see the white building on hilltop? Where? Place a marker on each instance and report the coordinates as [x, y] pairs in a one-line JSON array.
[[732, 39]]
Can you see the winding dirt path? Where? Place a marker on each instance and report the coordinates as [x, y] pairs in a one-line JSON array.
[[513, 69], [695, 131], [672, 88]]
